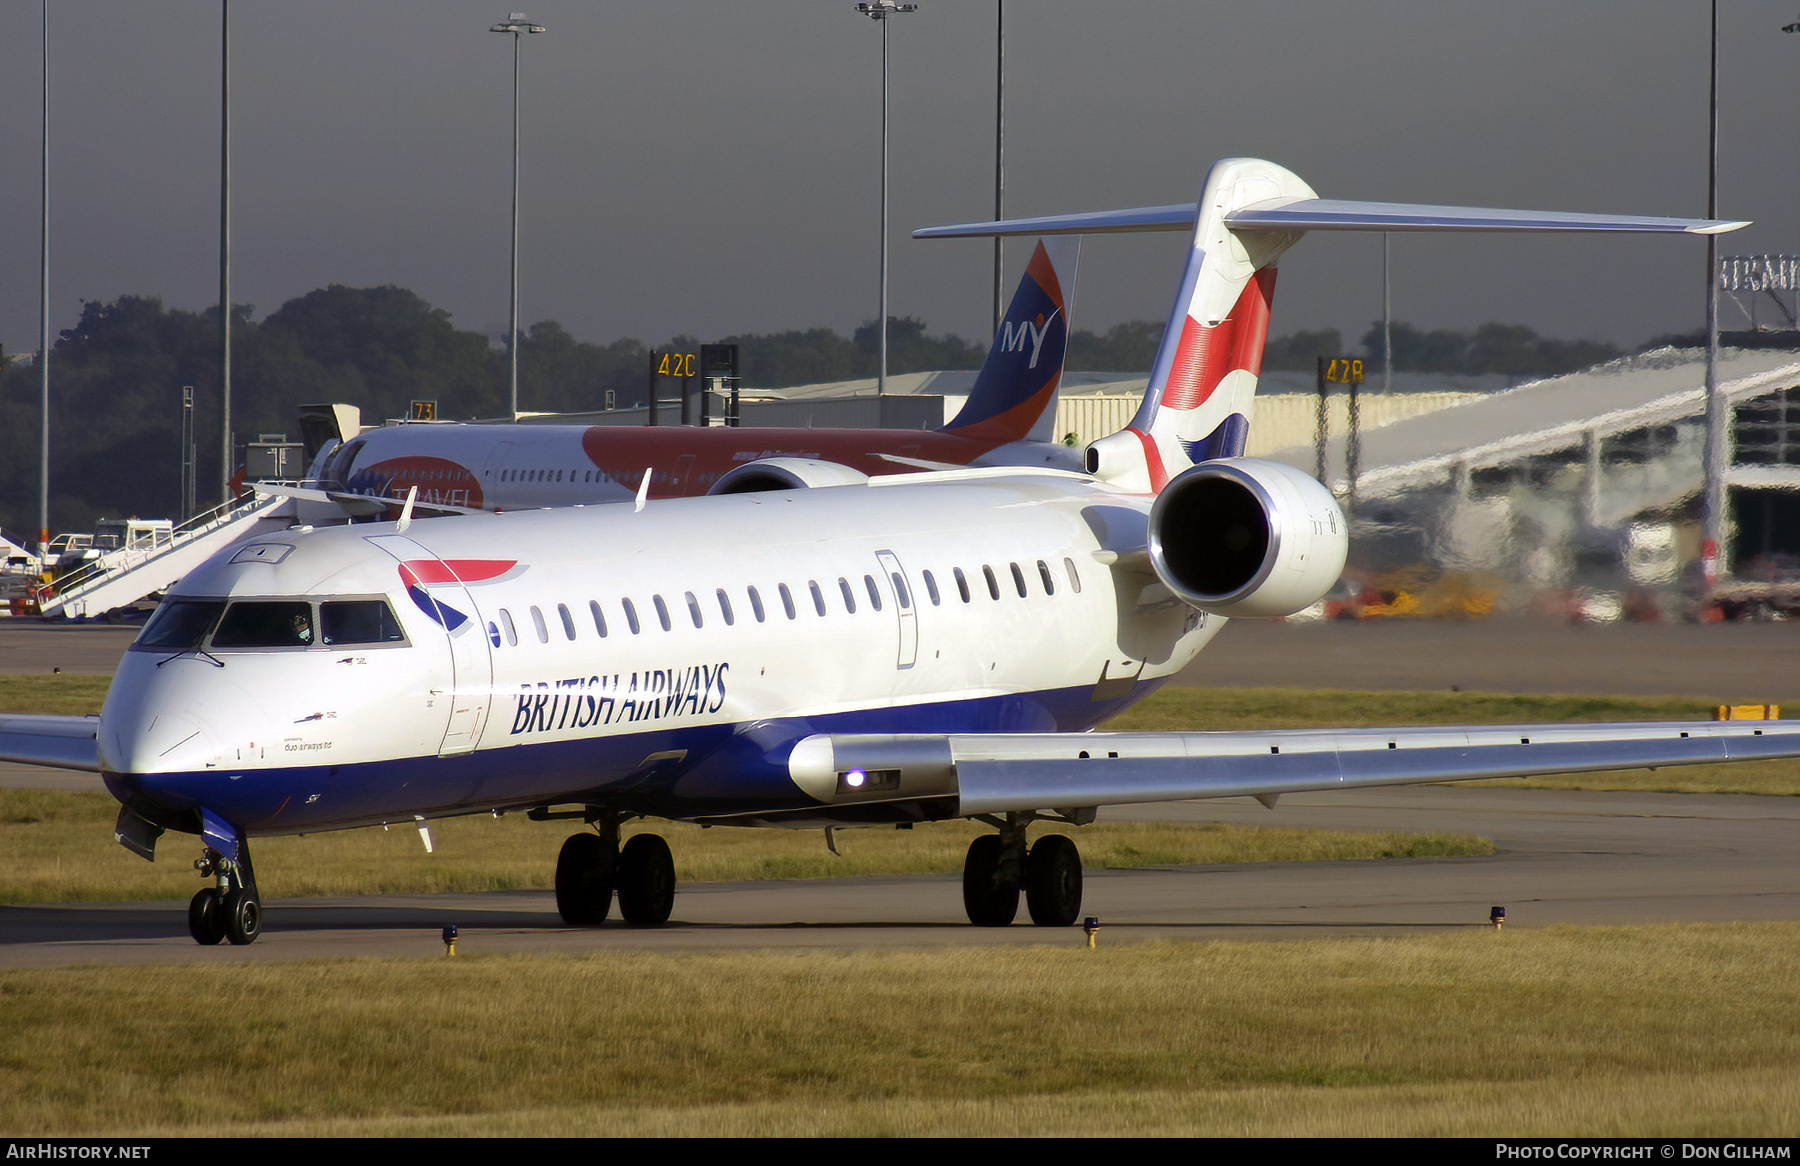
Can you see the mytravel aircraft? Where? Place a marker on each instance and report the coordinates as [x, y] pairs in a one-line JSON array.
[[893, 649], [1008, 419]]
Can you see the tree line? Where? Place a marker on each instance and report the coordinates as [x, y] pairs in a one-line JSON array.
[[117, 375]]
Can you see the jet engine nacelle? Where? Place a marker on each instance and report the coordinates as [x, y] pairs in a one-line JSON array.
[[1247, 537], [786, 473]]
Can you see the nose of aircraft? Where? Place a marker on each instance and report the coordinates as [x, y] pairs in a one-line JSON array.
[[160, 725]]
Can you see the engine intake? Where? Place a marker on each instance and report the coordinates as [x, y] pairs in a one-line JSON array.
[[786, 473], [1247, 537]]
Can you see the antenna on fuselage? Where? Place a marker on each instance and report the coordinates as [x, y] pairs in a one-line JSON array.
[[412, 495], [643, 494]]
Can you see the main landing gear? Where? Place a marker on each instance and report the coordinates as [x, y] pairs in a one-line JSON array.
[[591, 866], [998, 865], [231, 909]]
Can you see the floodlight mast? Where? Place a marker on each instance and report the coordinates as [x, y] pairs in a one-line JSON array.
[[518, 26], [880, 11]]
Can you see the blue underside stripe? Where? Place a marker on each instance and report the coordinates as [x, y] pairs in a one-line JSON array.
[[727, 769]]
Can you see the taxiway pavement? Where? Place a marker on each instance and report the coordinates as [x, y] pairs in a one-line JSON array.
[[1566, 857]]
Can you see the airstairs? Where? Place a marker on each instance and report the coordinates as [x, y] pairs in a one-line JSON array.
[[126, 575]]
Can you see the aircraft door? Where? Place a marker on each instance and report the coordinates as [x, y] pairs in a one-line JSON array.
[[901, 590], [434, 588], [497, 461]]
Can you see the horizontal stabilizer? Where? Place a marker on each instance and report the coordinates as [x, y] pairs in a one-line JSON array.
[[1330, 214]]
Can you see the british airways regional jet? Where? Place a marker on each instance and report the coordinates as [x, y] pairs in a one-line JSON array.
[[893, 649]]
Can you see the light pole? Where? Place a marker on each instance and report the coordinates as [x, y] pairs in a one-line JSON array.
[[880, 11], [44, 309], [1715, 453], [999, 157], [516, 24], [225, 445]]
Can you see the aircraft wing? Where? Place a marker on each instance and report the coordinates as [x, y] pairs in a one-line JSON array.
[[58, 742], [998, 773]]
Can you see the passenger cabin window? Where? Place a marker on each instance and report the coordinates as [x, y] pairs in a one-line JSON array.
[[537, 621], [693, 608], [1018, 580], [265, 625], [631, 619], [1074, 579], [818, 595], [725, 607], [662, 612], [849, 595], [962, 584], [568, 621], [506, 624], [787, 601], [599, 619], [756, 605], [931, 590], [358, 621], [993, 583], [874, 595], [1049, 581], [900, 591]]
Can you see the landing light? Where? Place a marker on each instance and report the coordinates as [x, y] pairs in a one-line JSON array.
[[862, 781]]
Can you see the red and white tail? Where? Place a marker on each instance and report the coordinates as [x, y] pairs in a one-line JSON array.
[[1198, 405], [1202, 388]]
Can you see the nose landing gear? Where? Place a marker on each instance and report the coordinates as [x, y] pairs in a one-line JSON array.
[[230, 910]]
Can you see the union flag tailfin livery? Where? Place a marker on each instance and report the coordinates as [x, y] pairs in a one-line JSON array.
[[885, 649]]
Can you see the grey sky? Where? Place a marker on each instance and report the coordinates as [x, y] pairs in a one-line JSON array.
[[710, 167]]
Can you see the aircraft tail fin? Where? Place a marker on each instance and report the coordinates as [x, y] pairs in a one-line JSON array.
[[1198, 402], [1014, 398], [1202, 386]]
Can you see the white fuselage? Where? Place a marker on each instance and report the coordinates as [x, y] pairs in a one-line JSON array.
[[760, 619]]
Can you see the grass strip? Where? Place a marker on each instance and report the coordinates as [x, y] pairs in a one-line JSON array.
[[57, 847], [1644, 1031]]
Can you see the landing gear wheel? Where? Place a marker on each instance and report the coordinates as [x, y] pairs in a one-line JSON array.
[[1053, 881], [990, 899], [242, 917], [646, 881], [206, 917], [584, 879]]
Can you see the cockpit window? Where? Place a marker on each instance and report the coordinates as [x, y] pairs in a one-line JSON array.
[[180, 624], [265, 625], [359, 621]]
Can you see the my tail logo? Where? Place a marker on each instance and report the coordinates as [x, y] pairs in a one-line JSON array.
[[1013, 340]]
